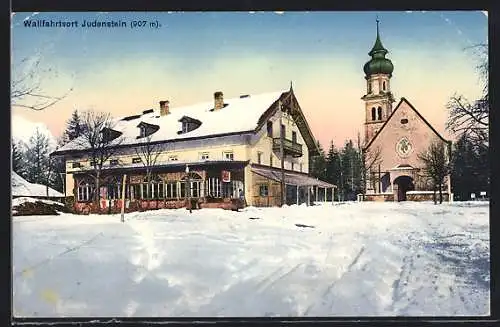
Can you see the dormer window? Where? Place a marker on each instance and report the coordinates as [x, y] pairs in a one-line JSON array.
[[188, 124], [109, 134], [142, 131], [146, 129]]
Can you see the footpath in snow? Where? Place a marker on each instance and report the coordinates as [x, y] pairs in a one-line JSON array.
[[352, 259]]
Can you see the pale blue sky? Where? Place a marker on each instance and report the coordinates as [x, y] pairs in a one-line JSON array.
[[125, 70]]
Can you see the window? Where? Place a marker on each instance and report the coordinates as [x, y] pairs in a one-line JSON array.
[[383, 85], [373, 113], [270, 128], [227, 190], [259, 158], [173, 158], [294, 137], [113, 191], [263, 190], [369, 87], [292, 165], [213, 187], [84, 192], [271, 160], [379, 113], [113, 162], [229, 155], [283, 131], [183, 189], [195, 189], [136, 160], [171, 190], [404, 121], [142, 131], [76, 165], [185, 127], [135, 191], [204, 156], [153, 190]]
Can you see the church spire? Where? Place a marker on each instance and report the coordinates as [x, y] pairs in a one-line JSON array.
[[378, 49], [378, 64]]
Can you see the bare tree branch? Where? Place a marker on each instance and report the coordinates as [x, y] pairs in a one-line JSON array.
[[472, 118], [100, 141], [26, 90]]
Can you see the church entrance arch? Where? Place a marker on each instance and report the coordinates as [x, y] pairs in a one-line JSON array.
[[403, 184]]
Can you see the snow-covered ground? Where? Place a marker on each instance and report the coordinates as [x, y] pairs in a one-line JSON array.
[[353, 259]]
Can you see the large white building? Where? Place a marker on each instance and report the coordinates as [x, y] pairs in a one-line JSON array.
[[208, 151]]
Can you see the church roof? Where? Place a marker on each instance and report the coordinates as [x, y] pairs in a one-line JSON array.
[[392, 114]]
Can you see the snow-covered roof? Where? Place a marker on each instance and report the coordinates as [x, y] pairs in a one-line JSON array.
[[21, 187], [240, 114], [291, 178]]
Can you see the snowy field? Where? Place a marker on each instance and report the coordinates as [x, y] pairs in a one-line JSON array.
[[353, 259]]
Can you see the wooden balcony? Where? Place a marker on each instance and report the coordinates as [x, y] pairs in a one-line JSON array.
[[290, 148]]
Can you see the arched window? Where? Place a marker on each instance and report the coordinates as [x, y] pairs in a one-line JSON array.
[[369, 87], [379, 113], [85, 190], [383, 85], [373, 113], [153, 190], [195, 186]]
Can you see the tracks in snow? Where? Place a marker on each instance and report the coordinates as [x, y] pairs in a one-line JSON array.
[[47, 260], [327, 291]]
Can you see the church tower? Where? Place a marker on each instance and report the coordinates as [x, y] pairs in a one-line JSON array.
[[378, 98]]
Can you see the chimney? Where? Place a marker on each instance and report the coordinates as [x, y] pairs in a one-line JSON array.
[[164, 108], [218, 100]]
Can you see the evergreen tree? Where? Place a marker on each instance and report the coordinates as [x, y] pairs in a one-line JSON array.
[[18, 160], [470, 172], [351, 171], [333, 168], [318, 164], [37, 158], [74, 128]]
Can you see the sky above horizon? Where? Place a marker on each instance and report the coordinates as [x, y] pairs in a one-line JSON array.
[[194, 54]]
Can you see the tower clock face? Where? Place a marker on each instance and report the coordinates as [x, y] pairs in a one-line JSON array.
[[404, 147]]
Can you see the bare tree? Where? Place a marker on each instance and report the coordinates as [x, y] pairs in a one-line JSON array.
[[436, 165], [99, 140], [369, 160], [26, 85], [148, 152], [471, 118]]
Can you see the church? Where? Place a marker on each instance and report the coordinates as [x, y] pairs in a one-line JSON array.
[[394, 137]]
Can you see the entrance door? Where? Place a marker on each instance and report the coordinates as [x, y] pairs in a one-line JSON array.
[[404, 184]]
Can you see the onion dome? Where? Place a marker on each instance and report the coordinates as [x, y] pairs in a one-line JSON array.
[[379, 64]]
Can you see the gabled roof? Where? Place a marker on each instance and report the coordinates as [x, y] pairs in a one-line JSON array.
[[240, 115], [392, 114]]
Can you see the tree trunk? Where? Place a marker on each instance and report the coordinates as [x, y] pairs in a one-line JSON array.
[[97, 194], [434, 195], [440, 193]]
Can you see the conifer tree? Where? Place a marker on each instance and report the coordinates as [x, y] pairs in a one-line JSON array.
[[37, 158], [18, 160]]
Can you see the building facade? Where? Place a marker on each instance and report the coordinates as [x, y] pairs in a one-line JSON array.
[[394, 138], [224, 153]]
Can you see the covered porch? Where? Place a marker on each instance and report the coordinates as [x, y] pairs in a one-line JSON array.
[[299, 188], [173, 185]]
